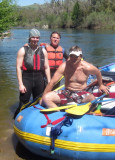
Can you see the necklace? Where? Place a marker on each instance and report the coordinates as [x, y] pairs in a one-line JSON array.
[[34, 50]]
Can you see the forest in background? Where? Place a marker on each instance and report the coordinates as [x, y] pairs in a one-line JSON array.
[[90, 14]]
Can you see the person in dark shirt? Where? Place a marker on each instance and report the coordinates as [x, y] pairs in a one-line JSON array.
[[32, 63]]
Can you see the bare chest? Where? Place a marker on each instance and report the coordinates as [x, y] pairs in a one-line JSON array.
[[75, 75]]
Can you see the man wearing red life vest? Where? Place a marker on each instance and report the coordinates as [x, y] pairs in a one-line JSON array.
[[55, 53], [32, 62]]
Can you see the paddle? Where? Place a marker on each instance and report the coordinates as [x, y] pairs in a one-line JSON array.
[[74, 105], [58, 108], [81, 109], [60, 79], [63, 107], [106, 100], [59, 87]]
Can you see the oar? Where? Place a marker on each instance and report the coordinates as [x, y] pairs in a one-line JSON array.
[[106, 100], [84, 107], [81, 109], [60, 79], [58, 108], [59, 87]]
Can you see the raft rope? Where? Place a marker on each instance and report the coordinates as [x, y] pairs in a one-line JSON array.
[[106, 66], [49, 122], [56, 131]]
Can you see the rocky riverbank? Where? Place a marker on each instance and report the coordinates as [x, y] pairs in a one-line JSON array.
[[5, 34]]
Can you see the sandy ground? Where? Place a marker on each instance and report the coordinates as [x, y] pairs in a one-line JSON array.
[[12, 149], [7, 148]]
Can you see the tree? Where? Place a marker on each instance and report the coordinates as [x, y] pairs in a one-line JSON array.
[[76, 14], [102, 5], [7, 16]]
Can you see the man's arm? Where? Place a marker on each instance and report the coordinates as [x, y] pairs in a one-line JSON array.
[[57, 75], [19, 61], [95, 71], [46, 65]]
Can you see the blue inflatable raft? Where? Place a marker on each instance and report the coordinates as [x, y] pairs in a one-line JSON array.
[[107, 71], [108, 68], [61, 136]]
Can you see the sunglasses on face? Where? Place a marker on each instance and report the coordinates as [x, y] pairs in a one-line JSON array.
[[74, 56]]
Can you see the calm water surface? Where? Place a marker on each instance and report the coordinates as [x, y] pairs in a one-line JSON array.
[[98, 48]]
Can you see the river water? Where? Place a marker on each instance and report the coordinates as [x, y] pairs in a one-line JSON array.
[[98, 48]]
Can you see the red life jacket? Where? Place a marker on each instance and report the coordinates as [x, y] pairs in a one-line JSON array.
[[55, 56], [33, 61]]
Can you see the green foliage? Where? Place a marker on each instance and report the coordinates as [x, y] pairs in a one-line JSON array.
[[97, 20], [102, 5], [76, 14], [64, 19], [63, 14], [7, 17], [51, 20]]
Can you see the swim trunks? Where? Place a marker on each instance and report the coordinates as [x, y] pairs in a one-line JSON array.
[[67, 96]]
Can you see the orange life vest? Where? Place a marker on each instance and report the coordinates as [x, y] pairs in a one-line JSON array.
[[33, 61], [55, 56]]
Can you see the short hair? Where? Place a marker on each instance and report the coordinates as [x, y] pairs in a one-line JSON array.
[[75, 48], [55, 32]]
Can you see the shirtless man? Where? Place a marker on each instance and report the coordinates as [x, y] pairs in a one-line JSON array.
[[76, 72]]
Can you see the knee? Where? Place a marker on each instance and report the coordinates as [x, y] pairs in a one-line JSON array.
[[43, 101], [46, 98]]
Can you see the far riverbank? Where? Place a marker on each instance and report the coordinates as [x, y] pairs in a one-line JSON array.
[[5, 34]]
